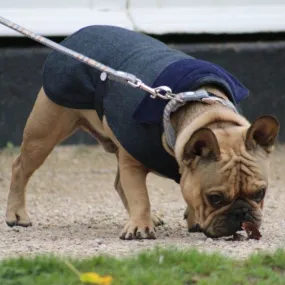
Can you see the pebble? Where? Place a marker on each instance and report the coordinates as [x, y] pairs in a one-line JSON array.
[[209, 240]]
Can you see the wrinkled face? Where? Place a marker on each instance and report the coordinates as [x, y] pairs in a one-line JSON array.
[[225, 177]]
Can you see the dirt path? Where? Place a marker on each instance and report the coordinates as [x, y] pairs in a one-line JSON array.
[[76, 211]]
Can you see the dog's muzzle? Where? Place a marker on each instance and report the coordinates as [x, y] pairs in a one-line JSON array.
[[231, 220]]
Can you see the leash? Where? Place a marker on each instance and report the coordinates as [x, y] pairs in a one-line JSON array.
[[163, 92]]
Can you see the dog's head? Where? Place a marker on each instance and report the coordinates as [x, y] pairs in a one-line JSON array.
[[225, 174]]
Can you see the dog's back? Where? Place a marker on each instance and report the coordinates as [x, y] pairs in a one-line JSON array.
[[71, 83]]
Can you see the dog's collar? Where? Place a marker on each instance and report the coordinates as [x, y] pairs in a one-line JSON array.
[[197, 96]]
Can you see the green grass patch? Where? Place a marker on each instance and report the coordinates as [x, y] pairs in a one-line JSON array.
[[157, 267]]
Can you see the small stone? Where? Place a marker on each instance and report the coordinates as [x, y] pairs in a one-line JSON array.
[[161, 259], [98, 241], [15, 230]]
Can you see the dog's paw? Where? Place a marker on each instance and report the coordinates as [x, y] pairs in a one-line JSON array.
[[193, 226], [18, 218], [138, 230], [195, 229], [157, 221]]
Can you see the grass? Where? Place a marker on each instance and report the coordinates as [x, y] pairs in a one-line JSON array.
[[157, 267]]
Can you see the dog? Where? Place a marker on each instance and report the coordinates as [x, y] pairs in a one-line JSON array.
[[200, 139]]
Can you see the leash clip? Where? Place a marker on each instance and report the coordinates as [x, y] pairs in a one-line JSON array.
[[163, 92], [135, 84]]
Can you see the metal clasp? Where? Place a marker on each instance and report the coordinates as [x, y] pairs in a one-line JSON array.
[[137, 84], [163, 92]]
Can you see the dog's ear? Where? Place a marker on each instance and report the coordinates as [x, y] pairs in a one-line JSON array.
[[262, 132], [202, 143]]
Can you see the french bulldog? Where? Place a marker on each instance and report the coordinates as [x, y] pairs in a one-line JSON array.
[[218, 157]]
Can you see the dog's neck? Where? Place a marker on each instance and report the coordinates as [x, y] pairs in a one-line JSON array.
[[187, 114], [194, 115]]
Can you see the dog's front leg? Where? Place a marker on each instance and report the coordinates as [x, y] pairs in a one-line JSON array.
[[133, 178]]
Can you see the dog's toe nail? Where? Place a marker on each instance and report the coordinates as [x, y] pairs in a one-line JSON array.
[[159, 223], [138, 235], [135, 231], [11, 224], [195, 229], [150, 233], [129, 236], [123, 235]]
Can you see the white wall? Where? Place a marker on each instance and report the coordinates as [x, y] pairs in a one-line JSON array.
[[62, 17]]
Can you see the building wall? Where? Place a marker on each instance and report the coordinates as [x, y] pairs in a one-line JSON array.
[[57, 18]]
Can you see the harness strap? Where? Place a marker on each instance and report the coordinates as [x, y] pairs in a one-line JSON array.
[[198, 96]]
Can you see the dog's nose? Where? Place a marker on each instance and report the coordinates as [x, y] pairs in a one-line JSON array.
[[241, 214]]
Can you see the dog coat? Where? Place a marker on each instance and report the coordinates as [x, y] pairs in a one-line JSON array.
[[134, 117]]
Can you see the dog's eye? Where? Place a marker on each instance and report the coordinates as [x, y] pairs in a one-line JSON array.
[[215, 199], [259, 195]]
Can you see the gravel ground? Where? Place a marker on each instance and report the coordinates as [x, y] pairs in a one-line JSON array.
[[76, 211]]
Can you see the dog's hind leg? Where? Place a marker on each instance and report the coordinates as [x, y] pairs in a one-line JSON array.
[[120, 191], [47, 125]]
